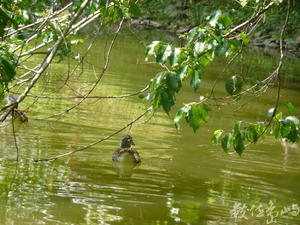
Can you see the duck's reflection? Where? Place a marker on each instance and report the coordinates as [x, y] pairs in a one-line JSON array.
[[10, 126], [124, 169]]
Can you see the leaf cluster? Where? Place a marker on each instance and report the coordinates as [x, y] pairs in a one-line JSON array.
[[204, 43], [236, 85], [194, 114], [111, 11], [287, 130], [214, 38], [238, 136]]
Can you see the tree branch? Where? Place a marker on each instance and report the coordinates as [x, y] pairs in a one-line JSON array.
[[277, 70], [250, 20], [97, 97], [48, 59], [96, 142]]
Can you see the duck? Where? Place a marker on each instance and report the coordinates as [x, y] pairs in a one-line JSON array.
[[16, 114], [125, 153]]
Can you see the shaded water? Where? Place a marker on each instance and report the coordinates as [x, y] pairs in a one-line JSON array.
[[183, 177]]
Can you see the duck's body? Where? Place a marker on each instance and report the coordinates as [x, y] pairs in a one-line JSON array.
[[125, 153]]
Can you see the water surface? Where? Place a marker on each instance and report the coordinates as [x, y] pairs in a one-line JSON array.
[[183, 177]]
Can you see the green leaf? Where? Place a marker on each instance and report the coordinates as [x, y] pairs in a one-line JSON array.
[[196, 77], [243, 2], [175, 56], [1, 91], [291, 130], [226, 142], [182, 72], [222, 48], [112, 13], [285, 123], [293, 119], [150, 49], [151, 97], [234, 44], [199, 47], [123, 10], [167, 100], [284, 128], [293, 136], [290, 107], [238, 143], [261, 129], [225, 20], [181, 113], [46, 37], [76, 41], [236, 128], [204, 109], [191, 34], [134, 9], [157, 81], [173, 82], [277, 117], [288, 129], [252, 133], [277, 132], [204, 60], [197, 115], [163, 53], [213, 35], [143, 96], [233, 85], [217, 134], [7, 69], [196, 119], [156, 99], [4, 18], [214, 16], [245, 38]]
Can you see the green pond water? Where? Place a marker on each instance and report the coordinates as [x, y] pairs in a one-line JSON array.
[[183, 177]]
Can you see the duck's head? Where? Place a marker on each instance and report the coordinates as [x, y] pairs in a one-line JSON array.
[[127, 141]]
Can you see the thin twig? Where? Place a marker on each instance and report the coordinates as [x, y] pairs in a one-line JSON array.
[[277, 73], [42, 20], [15, 138], [48, 59], [257, 15], [107, 59], [89, 97]]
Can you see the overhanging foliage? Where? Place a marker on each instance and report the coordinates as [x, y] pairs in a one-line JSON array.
[[49, 30]]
